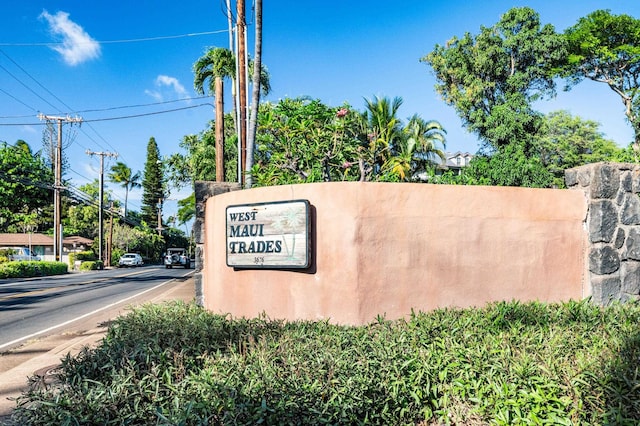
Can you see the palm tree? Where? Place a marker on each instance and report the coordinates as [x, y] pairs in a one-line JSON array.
[[218, 63], [417, 150], [385, 130], [425, 136], [121, 173]]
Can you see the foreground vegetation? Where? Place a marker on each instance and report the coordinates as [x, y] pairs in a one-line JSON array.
[[509, 363]]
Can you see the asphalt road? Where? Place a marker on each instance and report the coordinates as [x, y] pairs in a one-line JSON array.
[[32, 307], [107, 294]]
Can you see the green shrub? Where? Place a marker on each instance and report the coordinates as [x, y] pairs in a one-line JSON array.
[[509, 363], [91, 265], [31, 269], [116, 254], [86, 255]]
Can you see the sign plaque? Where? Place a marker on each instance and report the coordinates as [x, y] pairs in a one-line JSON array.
[[269, 235]]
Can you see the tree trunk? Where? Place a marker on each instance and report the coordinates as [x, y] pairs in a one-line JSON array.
[[219, 130], [233, 51], [255, 98], [242, 83]]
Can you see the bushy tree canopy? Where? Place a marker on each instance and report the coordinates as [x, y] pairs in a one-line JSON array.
[[492, 78], [25, 184], [606, 48]]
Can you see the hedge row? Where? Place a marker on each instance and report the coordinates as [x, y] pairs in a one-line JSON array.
[[509, 363], [28, 269]]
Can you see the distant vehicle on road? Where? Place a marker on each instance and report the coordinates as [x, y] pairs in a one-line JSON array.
[[130, 259], [19, 253], [177, 257]]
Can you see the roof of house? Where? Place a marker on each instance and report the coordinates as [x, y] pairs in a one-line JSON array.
[[21, 239], [78, 240], [450, 156]]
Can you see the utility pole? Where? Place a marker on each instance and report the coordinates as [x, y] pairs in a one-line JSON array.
[[110, 239], [57, 185], [159, 206], [100, 232], [241, 59]]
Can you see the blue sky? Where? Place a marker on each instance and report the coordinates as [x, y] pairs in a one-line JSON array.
[[121, 65]]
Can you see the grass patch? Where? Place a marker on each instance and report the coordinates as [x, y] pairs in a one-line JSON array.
[[508, 363]]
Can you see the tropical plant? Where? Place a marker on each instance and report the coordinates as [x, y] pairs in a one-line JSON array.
[[200, 160], [82, 218], [419, 148], [385, 129], [186, 209], [302, 140], [507, 363], [216, 65], [509, 165], [122, 174]]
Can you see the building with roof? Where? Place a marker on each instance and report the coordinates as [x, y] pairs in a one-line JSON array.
[[42, 244], [455, 162]]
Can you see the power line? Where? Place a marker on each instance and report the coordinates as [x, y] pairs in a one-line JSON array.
[[19, 101], [132, 40], [142, 105], [28, 88], [148, 113], [68, 141], [123, 117], [32, 78]]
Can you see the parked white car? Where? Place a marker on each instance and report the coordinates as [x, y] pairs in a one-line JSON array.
[[130, 259]]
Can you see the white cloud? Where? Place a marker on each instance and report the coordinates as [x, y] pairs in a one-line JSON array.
[[155, 95], [77, 46], [165, 80]]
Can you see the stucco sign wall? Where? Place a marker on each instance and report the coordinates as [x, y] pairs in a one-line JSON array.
[[268, 235]]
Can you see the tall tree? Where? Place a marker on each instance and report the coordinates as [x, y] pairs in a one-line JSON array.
[[152, 184], [491, 79], [255, 96], [606, 48], [214, 66], [122, 174]]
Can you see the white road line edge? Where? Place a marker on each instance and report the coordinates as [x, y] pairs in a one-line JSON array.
[[37, 333]]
